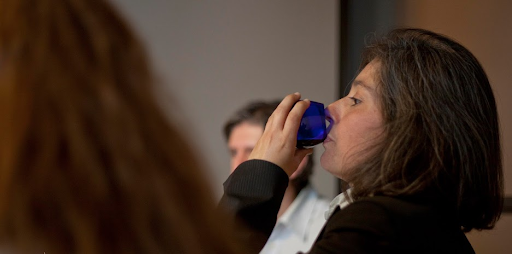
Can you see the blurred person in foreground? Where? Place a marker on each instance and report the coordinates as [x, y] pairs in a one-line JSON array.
[[301, 214], [88, 161], [417, 139]]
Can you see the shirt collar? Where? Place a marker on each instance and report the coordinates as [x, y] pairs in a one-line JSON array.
[[339, 201]]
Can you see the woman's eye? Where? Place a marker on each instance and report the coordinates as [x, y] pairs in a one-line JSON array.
[[356, 100]]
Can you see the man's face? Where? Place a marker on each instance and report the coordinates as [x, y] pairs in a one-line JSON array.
[[242, 140]]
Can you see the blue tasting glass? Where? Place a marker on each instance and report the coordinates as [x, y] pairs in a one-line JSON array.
[[312, 130]]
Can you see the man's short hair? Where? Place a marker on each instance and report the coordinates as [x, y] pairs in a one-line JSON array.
[[256, 112]]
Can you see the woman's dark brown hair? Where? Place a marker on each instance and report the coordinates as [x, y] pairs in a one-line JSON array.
[[88, 161], [441, 141]]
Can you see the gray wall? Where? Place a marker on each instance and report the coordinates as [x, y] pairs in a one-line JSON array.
[[214, 56]]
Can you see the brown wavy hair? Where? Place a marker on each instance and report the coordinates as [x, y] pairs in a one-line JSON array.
[[441, 141], [88, 161]]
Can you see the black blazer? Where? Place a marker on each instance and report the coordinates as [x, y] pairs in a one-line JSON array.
[[380, 224]]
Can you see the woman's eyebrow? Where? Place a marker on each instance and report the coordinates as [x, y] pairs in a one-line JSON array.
[[364, 85]]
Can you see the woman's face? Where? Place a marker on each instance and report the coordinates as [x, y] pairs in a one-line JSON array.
[[356, 123]]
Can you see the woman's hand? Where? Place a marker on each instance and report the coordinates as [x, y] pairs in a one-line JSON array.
[[279, 140]]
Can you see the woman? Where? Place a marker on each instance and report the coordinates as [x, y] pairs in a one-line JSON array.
[[88, 161], [416, 138]]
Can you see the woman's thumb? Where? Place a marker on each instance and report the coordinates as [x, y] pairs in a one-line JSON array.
[[303, 152]]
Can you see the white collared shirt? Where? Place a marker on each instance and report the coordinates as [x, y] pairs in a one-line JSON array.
[[297, 229], [339, 201]]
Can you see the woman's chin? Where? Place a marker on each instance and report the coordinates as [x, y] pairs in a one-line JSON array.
[[325, 161], [330, 166]]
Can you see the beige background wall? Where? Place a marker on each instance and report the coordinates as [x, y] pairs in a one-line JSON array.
[[485, 27]]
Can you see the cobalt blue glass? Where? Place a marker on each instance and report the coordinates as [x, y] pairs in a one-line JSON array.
[[312, 130]]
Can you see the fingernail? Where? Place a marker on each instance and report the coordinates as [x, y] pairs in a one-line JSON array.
[[296, 93]]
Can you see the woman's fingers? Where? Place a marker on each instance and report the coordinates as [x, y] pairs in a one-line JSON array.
[[301, 153], [279, 139], [278, 117], [293, 120]]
